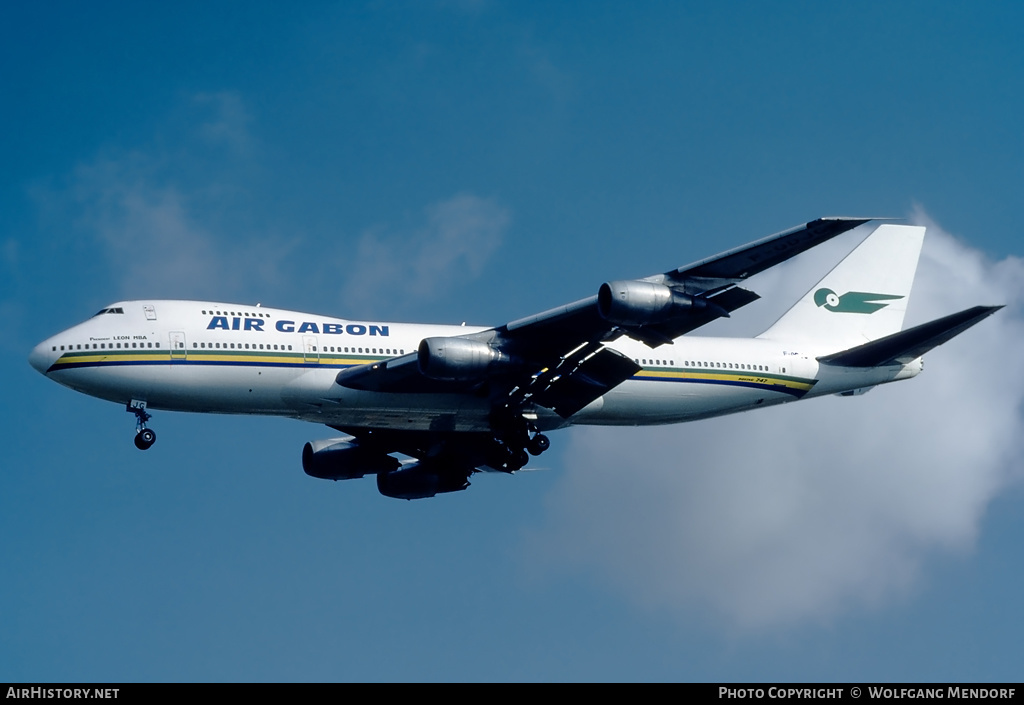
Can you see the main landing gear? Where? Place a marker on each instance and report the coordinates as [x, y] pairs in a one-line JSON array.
[[144, 437], [516, 438]]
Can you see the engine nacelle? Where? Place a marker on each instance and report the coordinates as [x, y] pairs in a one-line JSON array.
[[637, 303], [458, 359], [419, 481], [341, 459]]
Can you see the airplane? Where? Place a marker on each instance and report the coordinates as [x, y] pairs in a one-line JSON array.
[[456, 400]]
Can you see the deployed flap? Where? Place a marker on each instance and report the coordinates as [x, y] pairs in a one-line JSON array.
[[910, 344], [593, 377]]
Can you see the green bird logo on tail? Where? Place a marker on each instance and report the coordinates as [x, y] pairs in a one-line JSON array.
[[852, 301]]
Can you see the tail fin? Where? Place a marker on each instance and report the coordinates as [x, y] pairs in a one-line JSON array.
[[863, 298]]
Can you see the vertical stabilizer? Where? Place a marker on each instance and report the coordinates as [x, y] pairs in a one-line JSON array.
[[863, 298]]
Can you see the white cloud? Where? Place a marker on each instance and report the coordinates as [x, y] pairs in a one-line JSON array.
[[813, 510], [229, 122], [460, 236], [145, 229], [169, 219], [165, 216]]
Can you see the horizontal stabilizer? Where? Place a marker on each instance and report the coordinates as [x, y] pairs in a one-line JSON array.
[[910, 344]]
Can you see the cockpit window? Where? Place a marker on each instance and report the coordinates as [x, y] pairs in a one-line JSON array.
[[108, 310]]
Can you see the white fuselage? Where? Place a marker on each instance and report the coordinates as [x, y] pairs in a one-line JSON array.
[[237, 359]]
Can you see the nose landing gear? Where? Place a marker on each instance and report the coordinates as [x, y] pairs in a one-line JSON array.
[[144, 437]]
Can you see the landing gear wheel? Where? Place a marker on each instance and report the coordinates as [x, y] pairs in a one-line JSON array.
[[519, 460], [538, 444], [145, 438]]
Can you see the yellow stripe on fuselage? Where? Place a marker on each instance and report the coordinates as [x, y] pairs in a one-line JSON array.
[[100, 358], [740, 378]]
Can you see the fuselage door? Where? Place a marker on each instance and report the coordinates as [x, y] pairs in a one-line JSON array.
[[150, 311], [309, 351], [178, 349]]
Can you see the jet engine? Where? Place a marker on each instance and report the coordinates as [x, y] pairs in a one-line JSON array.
[[419, 481], [458, 359], [342, 459], [637, 303]]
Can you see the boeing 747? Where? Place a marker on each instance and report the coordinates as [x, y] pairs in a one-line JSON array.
[[455, 400]]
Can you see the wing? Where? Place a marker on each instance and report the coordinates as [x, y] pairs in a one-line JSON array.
[[556, 359]]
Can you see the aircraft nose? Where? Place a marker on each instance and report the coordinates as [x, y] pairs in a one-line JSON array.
[[40, 357]]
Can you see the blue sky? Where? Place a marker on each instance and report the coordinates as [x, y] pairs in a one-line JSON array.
[[481, 161]]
